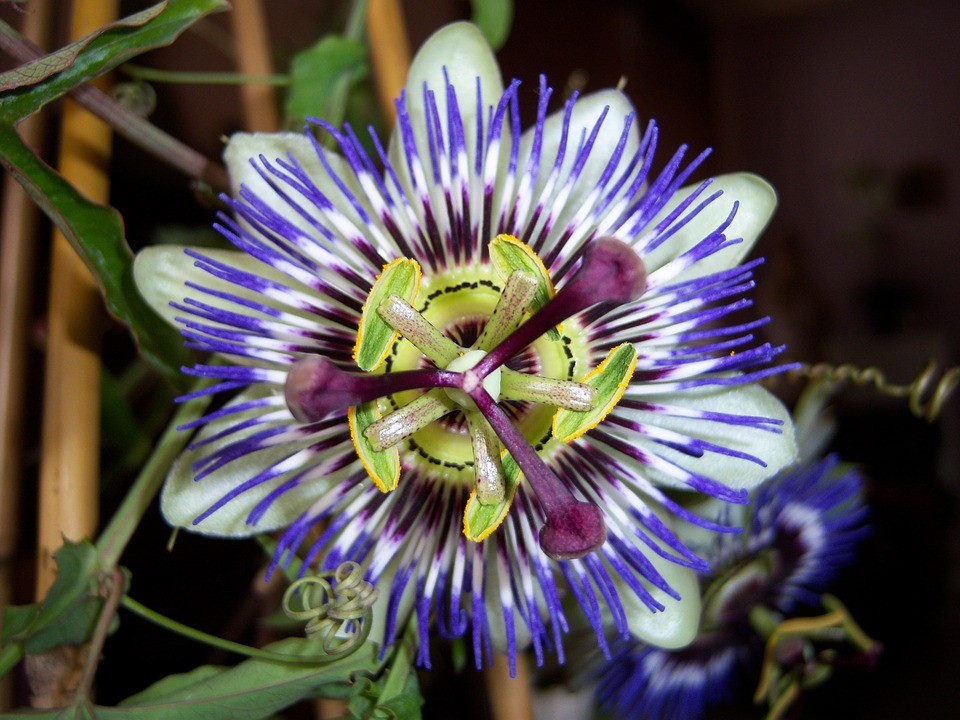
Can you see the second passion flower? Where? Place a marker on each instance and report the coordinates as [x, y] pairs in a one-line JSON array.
[[485, 372]]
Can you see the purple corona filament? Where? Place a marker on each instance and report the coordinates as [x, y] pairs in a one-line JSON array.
[[611, 273]]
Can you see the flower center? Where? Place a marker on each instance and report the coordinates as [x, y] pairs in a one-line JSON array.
[[473, 381]]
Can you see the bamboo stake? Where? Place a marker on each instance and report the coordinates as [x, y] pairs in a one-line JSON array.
[[510, 698], [389, 51], [18, 232], [253, 59], [69, 466]]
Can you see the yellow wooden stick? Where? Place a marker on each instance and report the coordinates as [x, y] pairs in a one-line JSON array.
[[69, 469], [17, 242], [509, 698], [253, 58], [389, 52]]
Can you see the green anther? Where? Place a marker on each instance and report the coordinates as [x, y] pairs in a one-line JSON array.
[[480, 520], [374, 336], [403, 317], [405, 421], [509, 254], [610, 378], [548, 391], [486, 459], [517, 295]]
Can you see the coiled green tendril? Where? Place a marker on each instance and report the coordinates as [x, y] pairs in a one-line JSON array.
[[336, 605]]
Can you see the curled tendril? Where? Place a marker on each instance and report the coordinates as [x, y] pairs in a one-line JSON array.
[[336, 606], [926, 394]]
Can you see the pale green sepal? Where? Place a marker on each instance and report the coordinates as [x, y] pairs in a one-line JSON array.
[[481, 520], [776, 449], [162, 271], [610, 379], [676, 626], [375, 337], [183, 499], [757, 200], [509, 254], [383, 466], [462, 52]]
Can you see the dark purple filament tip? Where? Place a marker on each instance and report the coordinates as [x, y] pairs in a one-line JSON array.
[[610, 273]]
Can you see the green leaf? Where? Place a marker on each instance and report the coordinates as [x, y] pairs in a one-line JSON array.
[[249, 691], [610, 378], [481, 520], [509, 254], [383, 466], [32, 72], [107, 50], [68, 612], [374, 336], [494, 18], [96, 233], [321, 77]]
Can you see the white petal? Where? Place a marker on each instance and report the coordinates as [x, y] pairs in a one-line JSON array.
[[676, 625], [242, 147], [776, 450], [584, 116], [462, 51], [757, 200], [162, 271], [183, 499]]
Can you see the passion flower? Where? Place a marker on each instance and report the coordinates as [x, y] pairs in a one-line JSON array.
[[479, 363]]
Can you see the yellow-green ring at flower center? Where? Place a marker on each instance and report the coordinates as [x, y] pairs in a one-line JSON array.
[[449, 300]]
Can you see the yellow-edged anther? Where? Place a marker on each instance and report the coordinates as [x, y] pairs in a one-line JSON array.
[[375, 337], [383, 466], [509, 254], [480, 520], [610, 378]]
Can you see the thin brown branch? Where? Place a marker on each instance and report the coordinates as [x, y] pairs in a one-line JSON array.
[[131, 126], [18, 233]]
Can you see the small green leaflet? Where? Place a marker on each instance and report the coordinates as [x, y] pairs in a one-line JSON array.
[[374, 336], [481, 520], [494, 18], [610, 378], [321, 77], [68, 612]]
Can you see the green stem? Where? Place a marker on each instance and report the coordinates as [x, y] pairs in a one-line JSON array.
[[10, 655], [353, 29], [212, 640], [148, 74], [114, 538]]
